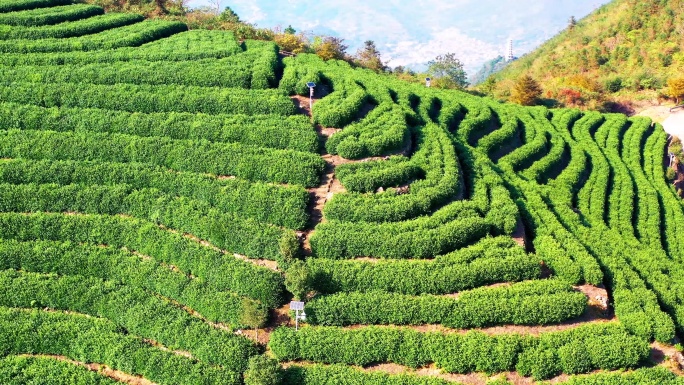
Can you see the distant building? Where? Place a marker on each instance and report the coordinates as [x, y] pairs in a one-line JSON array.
[[509, 51]]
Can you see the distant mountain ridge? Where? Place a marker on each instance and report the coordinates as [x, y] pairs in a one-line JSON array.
[[623, 49], [488, 69]]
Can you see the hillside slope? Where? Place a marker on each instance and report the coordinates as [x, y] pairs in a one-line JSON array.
[[163, 189], [627, 49]]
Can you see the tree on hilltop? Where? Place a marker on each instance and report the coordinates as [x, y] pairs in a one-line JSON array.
[[290, 42], [448, 71], [526, 91], [228, 14], [330, 47], [369, 57]]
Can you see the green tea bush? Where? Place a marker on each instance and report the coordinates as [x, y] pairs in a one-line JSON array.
[[243, 161], [528, 303], [273, 131], [133, 309], [72, 28], [369, 176], [216, 269], [49, 16], [128, 36], [281, 205], [90, 339]]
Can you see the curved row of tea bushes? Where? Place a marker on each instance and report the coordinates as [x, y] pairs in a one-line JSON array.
[[49, 16], [133, 309], [422, 277], [502, 141], [550, 165], [536, 144], [243, 161], [338, 240], [622, 198], [296, 75], [128, 36], [648, 207], [437, 157], [342, 106], [369, 176], [273, 131], [280, 205], [71, 28], [671, 206], [580, 350], [382, 131], [527, 303], [221, 272], [592, 197], [89, 339]]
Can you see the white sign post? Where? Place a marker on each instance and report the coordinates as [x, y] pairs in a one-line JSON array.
[[311, 86], [297, 307]]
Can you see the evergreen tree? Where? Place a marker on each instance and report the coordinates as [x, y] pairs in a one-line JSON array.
[[526, 91], [289, 30], [228, 15], [369, 57]]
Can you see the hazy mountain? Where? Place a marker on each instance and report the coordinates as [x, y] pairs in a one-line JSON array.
[[412, 33], [489, 68], [624, 47]]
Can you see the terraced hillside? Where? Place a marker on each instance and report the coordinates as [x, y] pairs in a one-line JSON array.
[[157, 183]]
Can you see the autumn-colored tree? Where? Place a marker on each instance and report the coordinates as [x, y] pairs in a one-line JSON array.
[[291, 43], [570, 97], [675, 88], [330, 48], [526, 91]]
